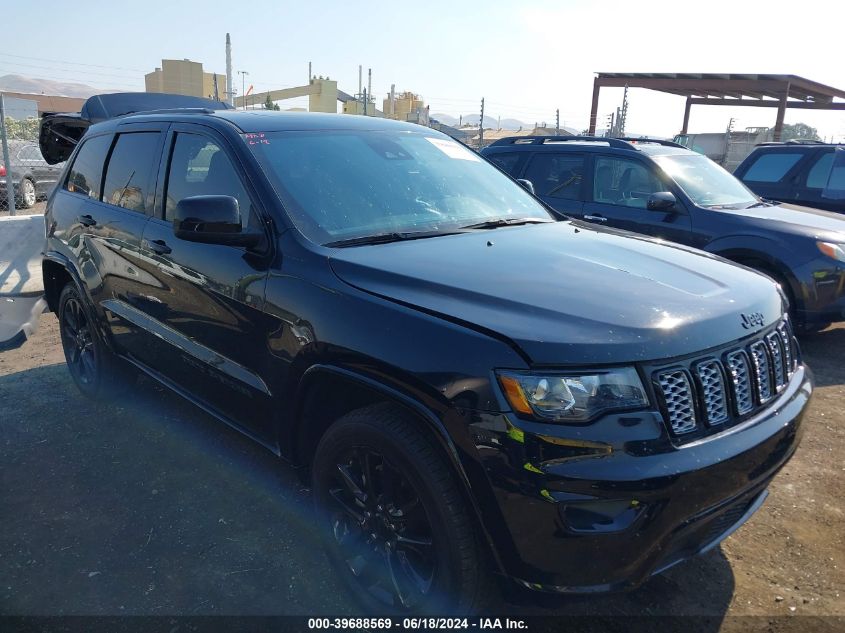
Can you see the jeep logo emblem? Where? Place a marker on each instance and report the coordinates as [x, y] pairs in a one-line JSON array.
[[754, 319]]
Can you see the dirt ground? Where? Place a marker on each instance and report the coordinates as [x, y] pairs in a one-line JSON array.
[[154, 508]]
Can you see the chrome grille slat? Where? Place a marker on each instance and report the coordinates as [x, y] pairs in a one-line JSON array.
[[677, 394], [788, 350], [713, 395], [760, 362], [773, 341], [740, 381]]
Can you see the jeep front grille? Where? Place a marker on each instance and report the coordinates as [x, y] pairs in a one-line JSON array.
[[720, 389]]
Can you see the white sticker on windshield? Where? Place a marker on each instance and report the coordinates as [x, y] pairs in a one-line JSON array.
[[453, 149]]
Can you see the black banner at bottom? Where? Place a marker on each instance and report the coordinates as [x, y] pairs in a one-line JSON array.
[[516, 624]]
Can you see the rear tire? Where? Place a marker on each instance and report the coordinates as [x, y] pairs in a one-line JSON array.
[[396, 526], [97, 372], [27, 197]]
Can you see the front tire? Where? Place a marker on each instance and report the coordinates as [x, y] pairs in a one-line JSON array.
[[94, 368], [396, 525]]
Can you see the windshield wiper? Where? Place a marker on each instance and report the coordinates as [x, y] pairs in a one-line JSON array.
[[493, 224], [760, 203], [385, 238]]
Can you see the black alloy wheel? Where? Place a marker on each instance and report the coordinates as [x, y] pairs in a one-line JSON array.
[[78, 343], [381, 528], [97, 372], [395, 522]]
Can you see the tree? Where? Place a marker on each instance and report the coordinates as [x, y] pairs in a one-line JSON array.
[[269, 105], [799, 130], [25, 129]]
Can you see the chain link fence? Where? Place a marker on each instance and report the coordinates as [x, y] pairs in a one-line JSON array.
[[22, 167]]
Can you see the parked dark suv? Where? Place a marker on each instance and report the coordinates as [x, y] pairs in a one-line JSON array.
[[32, 177], [661, 189], [806, 173], [476, 390]]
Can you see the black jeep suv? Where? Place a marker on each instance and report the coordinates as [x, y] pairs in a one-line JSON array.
[[476, 390], [664, 190]]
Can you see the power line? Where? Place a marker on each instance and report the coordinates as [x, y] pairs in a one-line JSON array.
[[58, 61], [62, 70], [66, 79]]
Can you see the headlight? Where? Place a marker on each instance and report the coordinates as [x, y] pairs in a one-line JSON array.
[[831, 249], [559, 397]]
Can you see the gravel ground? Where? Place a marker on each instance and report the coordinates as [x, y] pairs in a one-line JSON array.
[[38, 208], [153, 508]]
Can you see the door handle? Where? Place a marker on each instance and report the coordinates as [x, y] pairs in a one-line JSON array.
[[86, 220], [595, 218], [157, 246]]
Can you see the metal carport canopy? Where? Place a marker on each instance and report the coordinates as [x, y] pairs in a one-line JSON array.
[[773, 91]]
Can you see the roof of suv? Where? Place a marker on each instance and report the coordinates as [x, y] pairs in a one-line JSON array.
[[652, 147], [799, 142], [250, 121]]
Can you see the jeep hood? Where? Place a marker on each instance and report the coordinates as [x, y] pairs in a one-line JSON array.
[[568, 294]]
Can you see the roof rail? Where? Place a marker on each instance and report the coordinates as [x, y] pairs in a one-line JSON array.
[[173, 111], [797, 141], [655, 141], [540, 140]]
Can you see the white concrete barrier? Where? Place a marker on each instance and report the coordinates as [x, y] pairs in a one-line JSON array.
[[21, 285]]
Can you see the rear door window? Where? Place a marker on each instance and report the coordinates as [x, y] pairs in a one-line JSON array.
[[820, 171], [556, 175], [835, 186], [130, 169], [772, 166], [87, 169]]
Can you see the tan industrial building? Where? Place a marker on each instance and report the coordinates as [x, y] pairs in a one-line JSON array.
[[322, 94], [406, 106], [184, 77]]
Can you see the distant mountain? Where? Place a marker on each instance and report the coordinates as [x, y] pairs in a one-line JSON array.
[[492, 122], [31, 85], [445, 119]]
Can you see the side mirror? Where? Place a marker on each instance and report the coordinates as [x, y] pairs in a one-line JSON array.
[[661, 201], [527, 184], [212, 220]]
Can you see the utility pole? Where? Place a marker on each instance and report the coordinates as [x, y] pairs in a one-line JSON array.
[[230, 87], [623, 115], [557, 122], [481, 126], [243, 75], [10, 185]]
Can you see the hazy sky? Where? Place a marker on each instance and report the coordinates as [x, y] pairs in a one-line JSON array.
[[526, 58]]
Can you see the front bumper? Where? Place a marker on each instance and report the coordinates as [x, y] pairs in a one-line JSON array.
[[822, 290], [584, 515]]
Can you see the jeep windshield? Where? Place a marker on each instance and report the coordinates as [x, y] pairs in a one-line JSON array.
[[707, 184], [343, 186]]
